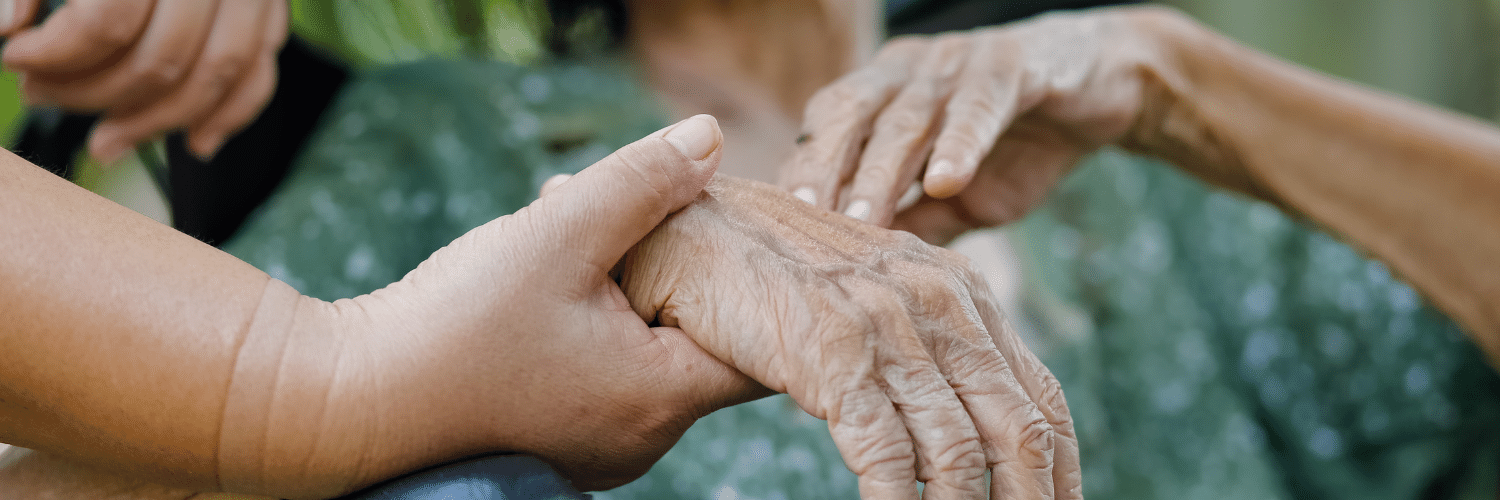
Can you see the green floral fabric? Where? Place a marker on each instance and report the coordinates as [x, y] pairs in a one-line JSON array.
[[1209, 347], [1212, 347]]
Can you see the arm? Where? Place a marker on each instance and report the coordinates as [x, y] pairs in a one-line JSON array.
[[990, 120], [1417, 187]]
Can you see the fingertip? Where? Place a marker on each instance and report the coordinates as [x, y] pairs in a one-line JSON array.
[[553, 183], [696, 137], [806, 194], [942, 179], [205, 145], [859, 210], [106, 144], [107, 154]]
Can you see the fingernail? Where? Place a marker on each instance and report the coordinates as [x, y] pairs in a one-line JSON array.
[[806, 194], [939, 181], [940, 168], [860, 209], [553, 183], [695, 137]]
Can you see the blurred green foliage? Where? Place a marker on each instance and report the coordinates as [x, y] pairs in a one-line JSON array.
[[11, 107], [381, 32]]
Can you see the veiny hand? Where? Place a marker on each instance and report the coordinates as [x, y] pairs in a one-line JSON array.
[[150, 66], [898, 344], [988, 119]]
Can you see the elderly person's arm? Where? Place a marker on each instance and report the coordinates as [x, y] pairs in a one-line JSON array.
[[990, 119]]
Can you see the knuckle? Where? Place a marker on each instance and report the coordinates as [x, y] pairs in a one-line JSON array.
[[1037, 441], [903, 46], [1052, 397], [101, 25], [160, 72], [642, 171], [226, 67], [962, 455], [910, 116]]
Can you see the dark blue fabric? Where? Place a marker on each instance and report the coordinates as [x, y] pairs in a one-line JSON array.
[[510, 477]]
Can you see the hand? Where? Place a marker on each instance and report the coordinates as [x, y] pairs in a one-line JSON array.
[[150, 66], [988, 119], [512, 338], [898, 344]]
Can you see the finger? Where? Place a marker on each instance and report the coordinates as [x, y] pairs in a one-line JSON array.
[[14, 15], [78, 36], [840, 117], [872, 439], [952, 462], [604, 210], [1040, 386], [155, 64], [986, 102], [903, 134], [553, 183], [232, 47], [242, 104]]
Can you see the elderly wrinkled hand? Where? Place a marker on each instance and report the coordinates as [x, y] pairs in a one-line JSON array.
[[988, 120], [898, 344], [150, 66]]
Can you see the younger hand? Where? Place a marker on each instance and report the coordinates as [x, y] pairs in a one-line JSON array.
[[150, 66]]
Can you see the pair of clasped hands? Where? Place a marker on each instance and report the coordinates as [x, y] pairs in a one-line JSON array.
[[593, 327]]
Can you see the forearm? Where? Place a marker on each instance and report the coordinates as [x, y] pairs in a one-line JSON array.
[[119, 333], [127, 344], [1417, 187]]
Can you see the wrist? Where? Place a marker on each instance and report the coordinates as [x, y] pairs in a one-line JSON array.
[[1184, 79], [293, 423]]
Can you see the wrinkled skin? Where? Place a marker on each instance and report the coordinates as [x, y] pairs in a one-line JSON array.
[[150, 66], [988, 120], [898, 344]]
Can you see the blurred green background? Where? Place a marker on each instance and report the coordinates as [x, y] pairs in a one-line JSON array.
[[1440, 51]]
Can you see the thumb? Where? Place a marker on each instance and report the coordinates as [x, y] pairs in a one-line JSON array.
[[608, 207]]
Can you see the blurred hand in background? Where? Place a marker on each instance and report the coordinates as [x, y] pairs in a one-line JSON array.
[[150, 67]]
